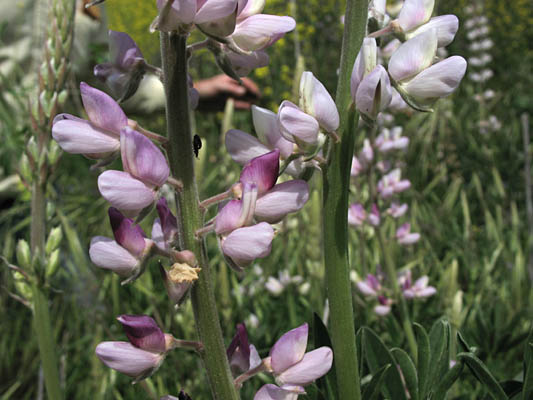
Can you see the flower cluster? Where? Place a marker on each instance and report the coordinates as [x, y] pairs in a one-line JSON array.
[[295, 131], [411, 70], [288, 362], [371, 287]]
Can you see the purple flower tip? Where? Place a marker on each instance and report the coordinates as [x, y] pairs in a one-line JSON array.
[[143, 332], [169, 223], [262, 171], [126, 232]]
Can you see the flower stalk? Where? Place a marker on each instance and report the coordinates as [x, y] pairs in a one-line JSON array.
[[335, 204], [181, 157]]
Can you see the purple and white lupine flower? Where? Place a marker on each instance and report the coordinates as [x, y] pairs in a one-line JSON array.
[[143, 354], [291, 366], [146, 170], [126, 254], [99, 137], [392, 184], [296, 126], [415, 18], [356, 214], [242, 355], [370, 287], [405, 237], [276, 286], [370, 85], [411, 68], [165, 228], [397, 210], [419, 289], [316, 101], [243, 147], [391, 139], [262, 200], [383, 307], [126, 68], [259, 31], [374, 217]]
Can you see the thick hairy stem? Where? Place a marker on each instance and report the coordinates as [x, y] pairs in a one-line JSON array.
[[335, 213], [181, 156]]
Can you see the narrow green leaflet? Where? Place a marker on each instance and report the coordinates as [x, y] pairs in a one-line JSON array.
[[326, 384], [447, 381], [423, 359], [373, 388], [408, 370], [483, 375], [377, 355]]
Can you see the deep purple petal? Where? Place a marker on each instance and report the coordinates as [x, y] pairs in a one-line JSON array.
[[238, 351], [143, 332], [126, 232], [169, 223], [262, 171], [123, 49]]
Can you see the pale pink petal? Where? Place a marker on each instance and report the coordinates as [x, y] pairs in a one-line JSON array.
[[108, 254], [103, 111], [182, 11], [213, 10], [78, 136], [414, 13], [364, 63], [143, 159], [316, 101], [282, 199], [251, 7], [228, 218], [259, 31], [246, 244], [413, 56], [243, 147], [273, 392], [382, 310], [157, 235], [289, 349], [296, 125], [427, 292], [446, 26], [437, 81], [366, 289], [267, 129], [128, 359], [369, 100], [125, 192], [243, 64], [313, 365]]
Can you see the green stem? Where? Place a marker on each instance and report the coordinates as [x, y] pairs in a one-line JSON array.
[[335, 213], [41, 313], [181, 156]]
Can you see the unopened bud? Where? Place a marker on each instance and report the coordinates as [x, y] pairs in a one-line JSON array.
[[54, 239], [54, 152], [23, 254], [53, 263], [185, 256]]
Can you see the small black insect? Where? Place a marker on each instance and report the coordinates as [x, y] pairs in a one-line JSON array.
[[197, 144]]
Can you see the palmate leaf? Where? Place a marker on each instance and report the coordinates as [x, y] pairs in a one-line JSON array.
[[377, 356]]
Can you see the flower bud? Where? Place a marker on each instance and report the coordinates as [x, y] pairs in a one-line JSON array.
[[54, 239], [23, 255], [52, 263]]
